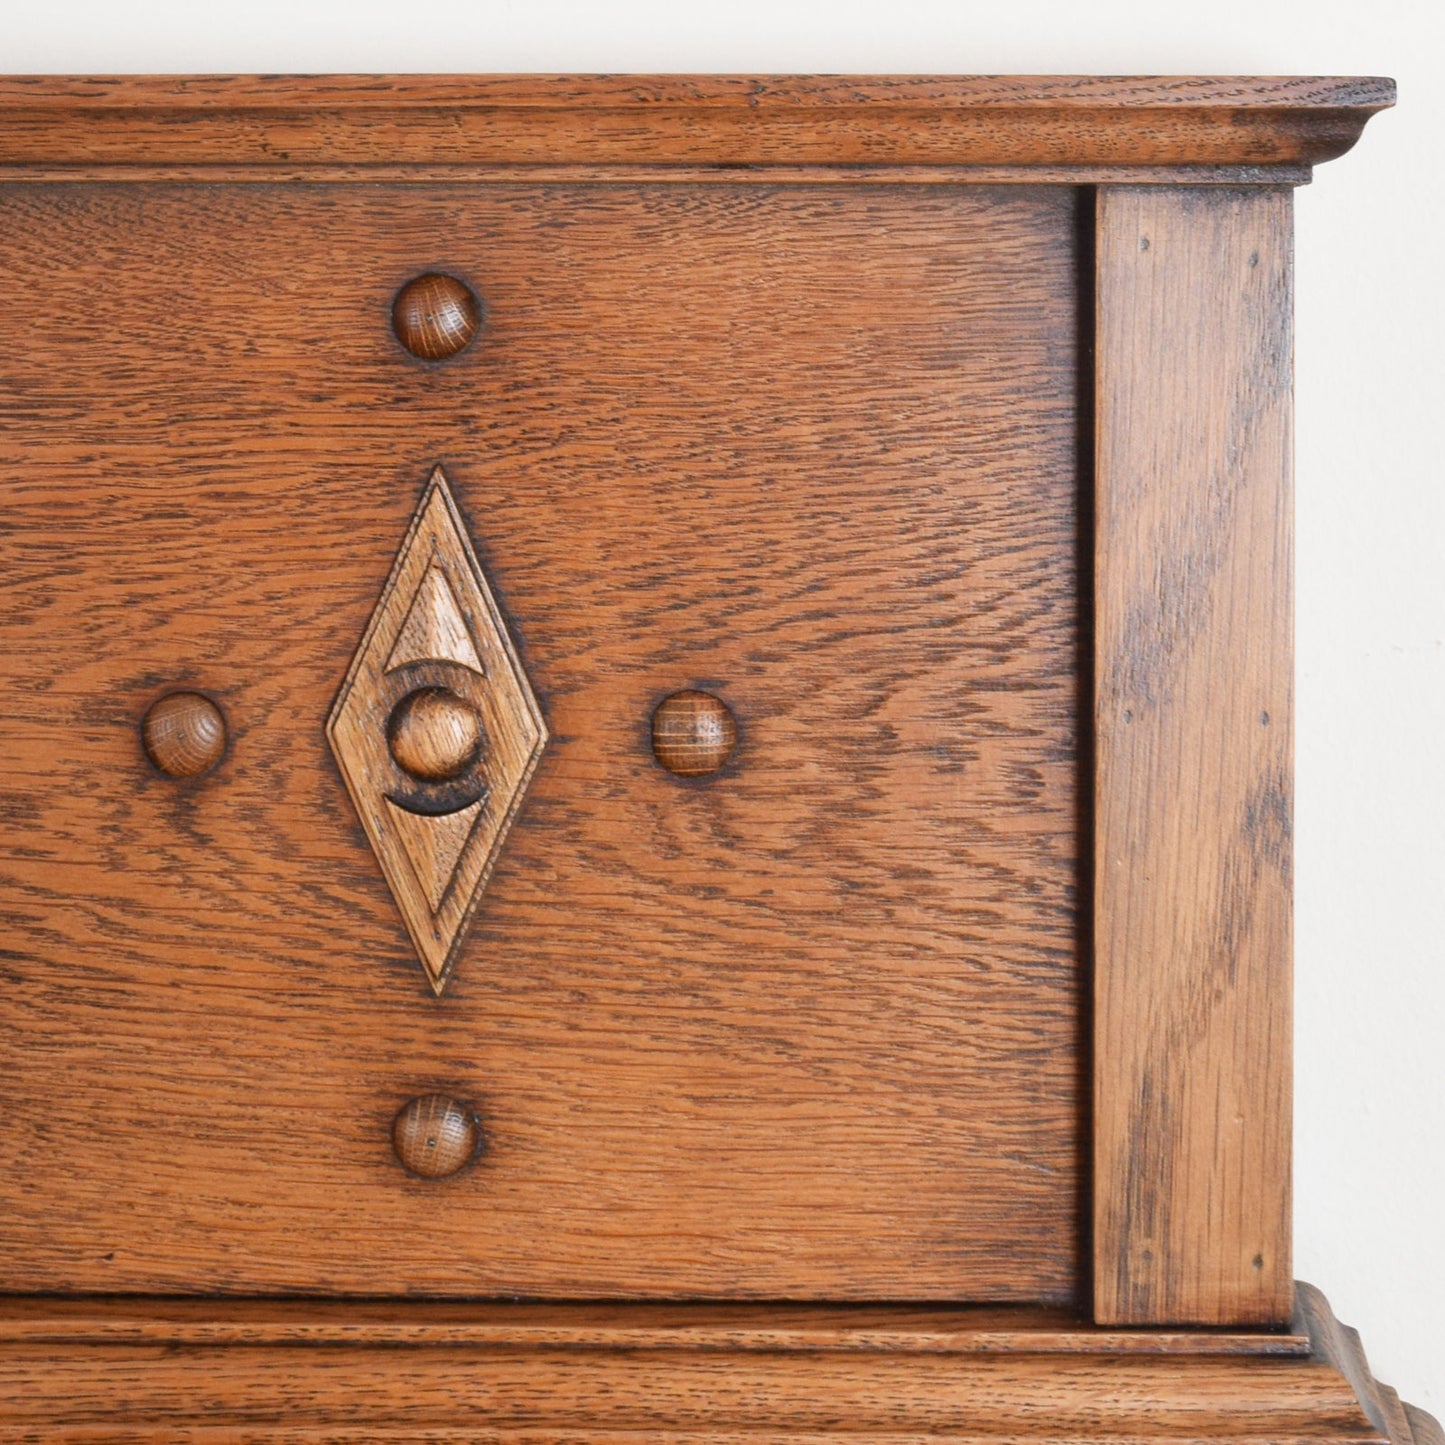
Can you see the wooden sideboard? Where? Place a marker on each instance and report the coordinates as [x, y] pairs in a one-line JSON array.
[[648, 761]]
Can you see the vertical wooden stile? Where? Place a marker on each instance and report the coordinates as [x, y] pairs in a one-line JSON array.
[[1193, 796]]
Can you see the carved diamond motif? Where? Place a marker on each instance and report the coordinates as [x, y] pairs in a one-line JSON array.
[[437, 731]]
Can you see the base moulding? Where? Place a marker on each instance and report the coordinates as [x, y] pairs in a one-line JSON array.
[[131, 1369]]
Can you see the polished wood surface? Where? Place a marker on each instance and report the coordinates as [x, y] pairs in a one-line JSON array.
[[693, 733], [436, 316], [808, 1028], [1193, 670], [435, 1136], [356, 1394], [1026, 123], [184, 734], [434, 734], [134, 1372]]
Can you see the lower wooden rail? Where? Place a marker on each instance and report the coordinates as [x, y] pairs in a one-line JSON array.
[[128, 1369]]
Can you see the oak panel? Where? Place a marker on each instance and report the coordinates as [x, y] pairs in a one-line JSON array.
[[808, 1027], [1193, 786]]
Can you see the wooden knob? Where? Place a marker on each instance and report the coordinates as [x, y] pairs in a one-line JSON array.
[[436, 316], [693, 733], [434, 734], [184, 734], [435, 1136]]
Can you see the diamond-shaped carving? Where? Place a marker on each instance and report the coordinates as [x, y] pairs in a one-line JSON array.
[[437, 731]]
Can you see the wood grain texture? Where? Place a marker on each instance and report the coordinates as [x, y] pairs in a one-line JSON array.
[[712, 121], [1193, 692], [807, 1029], [630, 1380], [505, 1393], [933, 1329]]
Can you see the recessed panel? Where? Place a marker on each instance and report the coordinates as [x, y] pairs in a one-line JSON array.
[[801, 1024]]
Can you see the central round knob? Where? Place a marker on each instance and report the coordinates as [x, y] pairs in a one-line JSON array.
[[434, 734]]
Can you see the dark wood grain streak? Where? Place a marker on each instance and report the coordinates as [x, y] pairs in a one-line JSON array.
[[1194, 686], [685, 120], [808, 1028]]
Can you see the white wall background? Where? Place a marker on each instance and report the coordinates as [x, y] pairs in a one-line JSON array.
[[1370, 1172]]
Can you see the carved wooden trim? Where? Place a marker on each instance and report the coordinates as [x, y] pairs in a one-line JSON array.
[[1338, 1346], [143, 1370], [1193, 697], [437, 819], [626, 1324], [1022, 123]]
